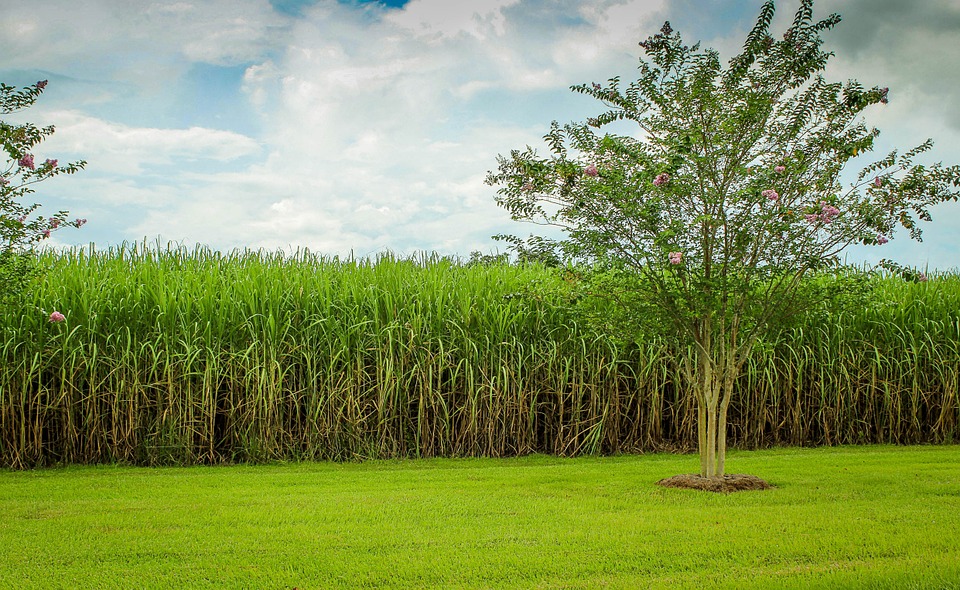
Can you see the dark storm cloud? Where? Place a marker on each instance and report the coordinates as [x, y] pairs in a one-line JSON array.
[[909, 46], [869, 25]]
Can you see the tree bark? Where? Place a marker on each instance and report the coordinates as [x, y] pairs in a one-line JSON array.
[[728, 381], [712, 385], [702, 434], [711, 439]]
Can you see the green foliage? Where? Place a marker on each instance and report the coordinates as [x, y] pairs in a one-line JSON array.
[[719, 136], [182, 357], [20, 228], [705, 223], [249, 356]]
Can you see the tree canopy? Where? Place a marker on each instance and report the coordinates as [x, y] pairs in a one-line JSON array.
[[20, 226], [730, 192]]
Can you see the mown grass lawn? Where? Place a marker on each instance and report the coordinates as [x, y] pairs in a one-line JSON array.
[[848, 517]]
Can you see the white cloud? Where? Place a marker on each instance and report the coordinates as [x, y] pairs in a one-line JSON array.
[[401, 116], [377, 126], [436, 20], [101, 35], [126, 150], [261, 83]]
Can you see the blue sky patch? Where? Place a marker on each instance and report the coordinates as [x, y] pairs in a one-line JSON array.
[[295, 7], [291, 7], [208, 98]]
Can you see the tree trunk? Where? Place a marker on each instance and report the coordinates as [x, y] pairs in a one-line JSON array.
[[728, 380], [712, 389], [702, 435], [711, 439], [710, 368]]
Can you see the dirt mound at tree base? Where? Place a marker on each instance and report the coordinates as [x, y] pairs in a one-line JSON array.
[[732, 482]]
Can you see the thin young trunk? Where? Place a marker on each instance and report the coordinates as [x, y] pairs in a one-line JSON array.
[[711, 470], [710, 370], [711, 380], [722, 418], [713, 387], [702, 434], [708, 452]]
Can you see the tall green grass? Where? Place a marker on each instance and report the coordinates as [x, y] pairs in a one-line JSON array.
[[179, 356]]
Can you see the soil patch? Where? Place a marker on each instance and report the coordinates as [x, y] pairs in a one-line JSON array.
[[732, 482]]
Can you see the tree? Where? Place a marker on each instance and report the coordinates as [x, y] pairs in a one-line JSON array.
[[20, 228], [707, 222]]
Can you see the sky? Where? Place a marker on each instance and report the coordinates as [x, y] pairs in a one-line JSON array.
[[356, 127]]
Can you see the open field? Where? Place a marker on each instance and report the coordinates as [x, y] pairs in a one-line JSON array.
[[843, 517]]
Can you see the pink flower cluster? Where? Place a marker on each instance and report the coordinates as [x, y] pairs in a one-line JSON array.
[[591, 170], [4, 181], [770, 194], [661, 179], [57, 317], [51, 163], [27, 162], [922, 277], [676, 257], [779, 169], [882, 239], [827, 214], [877, 182], [54, 224]]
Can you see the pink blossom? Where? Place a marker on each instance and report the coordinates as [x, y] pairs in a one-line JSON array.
[[877, 182], [4, 181], [27, 161], [42, 84], [828, 212], [591, 170], [57, 317], [779, 169], [51, 163], [812, 217], [922, 277], [676, 257], [770, 194], [661, 179], [881, 239], [54, 223], [79, 222]]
